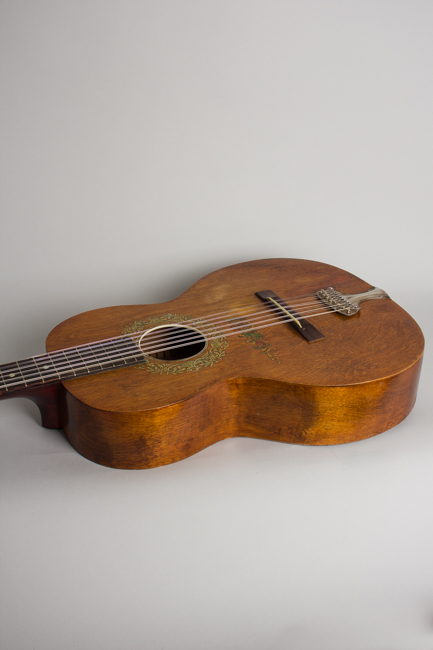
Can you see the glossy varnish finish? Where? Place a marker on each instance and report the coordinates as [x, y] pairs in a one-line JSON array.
[[360, 380]]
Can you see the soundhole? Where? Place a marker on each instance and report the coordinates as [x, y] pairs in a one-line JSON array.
[[172, 342]]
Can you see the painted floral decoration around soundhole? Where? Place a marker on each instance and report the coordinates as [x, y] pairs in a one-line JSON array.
[[214, 352]]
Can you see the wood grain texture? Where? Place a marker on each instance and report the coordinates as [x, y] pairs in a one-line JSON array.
[[360, 380]]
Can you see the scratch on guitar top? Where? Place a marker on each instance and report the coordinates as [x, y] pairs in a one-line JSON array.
[[222, 292]]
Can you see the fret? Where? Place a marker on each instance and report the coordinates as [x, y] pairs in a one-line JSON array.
[[46, 368], [19, 370], [112, 354], [37, 369], [67, 364], [103, 357], [62, 365], [128, 350], [68, 372], [3, 386], [6, 381], [12, 377], [119, 352], [84, 359], [77, 362], [95, 357], [29, 371]]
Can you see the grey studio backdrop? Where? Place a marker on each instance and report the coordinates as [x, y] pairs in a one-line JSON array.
[[143, 145]]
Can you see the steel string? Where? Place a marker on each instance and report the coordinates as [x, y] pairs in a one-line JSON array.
[[153, 339], [197, 337]]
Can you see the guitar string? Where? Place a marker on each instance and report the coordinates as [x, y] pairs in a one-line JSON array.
[[152, 340], [262, 324], [233, 323], [67, 366], [205, 322], [236, 330], [56, 376], [262, 309]]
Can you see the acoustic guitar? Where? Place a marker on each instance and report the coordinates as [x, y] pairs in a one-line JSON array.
[[281, 349]]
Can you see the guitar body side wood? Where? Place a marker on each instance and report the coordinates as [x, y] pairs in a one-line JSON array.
[[307, 415]]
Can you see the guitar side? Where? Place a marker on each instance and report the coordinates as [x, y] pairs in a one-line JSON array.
[[278, 412]]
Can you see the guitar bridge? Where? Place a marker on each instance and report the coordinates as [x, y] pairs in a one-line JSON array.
[[296, 321]]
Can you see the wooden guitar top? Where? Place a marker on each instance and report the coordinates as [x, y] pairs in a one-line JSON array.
[[381, 340]]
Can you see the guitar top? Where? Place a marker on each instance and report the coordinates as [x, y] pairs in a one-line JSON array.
[[282, 349]]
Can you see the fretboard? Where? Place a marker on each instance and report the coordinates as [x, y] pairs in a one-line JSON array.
[[69, 363]]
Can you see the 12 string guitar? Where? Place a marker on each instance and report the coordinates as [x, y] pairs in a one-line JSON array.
[[235, 355]]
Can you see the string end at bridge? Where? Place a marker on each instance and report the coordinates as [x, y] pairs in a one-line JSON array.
[[306, 330]]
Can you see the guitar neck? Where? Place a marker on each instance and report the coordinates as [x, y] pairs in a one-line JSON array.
[[69, 363]]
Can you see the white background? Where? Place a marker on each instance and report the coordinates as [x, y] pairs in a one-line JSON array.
[[143, 145]]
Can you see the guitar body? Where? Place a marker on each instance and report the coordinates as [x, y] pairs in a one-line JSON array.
[[359, 380]]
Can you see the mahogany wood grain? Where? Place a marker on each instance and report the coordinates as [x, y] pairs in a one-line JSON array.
[[358, 381]]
